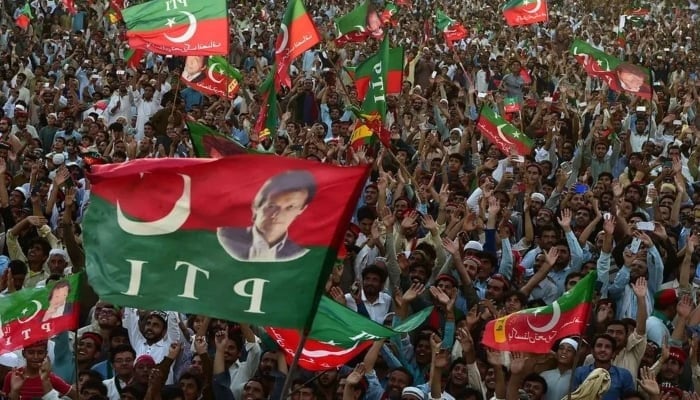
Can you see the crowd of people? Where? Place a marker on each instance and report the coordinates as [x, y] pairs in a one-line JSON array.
[[446, 219]]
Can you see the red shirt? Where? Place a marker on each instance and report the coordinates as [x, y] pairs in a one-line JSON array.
[[32, 388]]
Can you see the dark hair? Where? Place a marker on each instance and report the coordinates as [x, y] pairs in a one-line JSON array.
[[405, 371], [607, 337], [366, 213], [122, 348], [428, 249], [289, 181], [616, 322], [45, 245], [197, 380], [17, 267], [534, 377], [607, 174], [94, 384], [171, 392], [135, 390], [92, 375], [59, 285], [118, 331], [116, 126], [377, 270]]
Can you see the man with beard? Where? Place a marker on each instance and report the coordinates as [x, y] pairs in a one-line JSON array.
[[672, 369], [272, 369], [154, 336], [630, 345], [231, 374], [603, 354], [375, 301], [327, 384], [558, 379]]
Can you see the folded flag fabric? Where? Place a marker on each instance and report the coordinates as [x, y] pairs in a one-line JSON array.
[[525, 12], [208, 143]]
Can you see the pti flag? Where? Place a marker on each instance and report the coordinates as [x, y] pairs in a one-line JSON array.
[[208, 143], [501, 133], [525, 12], [298, 33], [620, 76], [394, 72], [267, 122], [536, 330], [452, 30], [338, 335], [30, 315], [182, 234], [211, 75], [178, 27], [358, 25]]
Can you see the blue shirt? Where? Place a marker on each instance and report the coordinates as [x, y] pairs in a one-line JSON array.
[[621, 381]]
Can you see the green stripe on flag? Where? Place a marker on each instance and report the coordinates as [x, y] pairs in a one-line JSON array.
[[153, 15]]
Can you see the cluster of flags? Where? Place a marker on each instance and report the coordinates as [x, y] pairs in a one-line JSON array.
[[195, 30]]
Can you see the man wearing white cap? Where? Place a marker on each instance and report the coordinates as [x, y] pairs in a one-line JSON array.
[[558, 378]]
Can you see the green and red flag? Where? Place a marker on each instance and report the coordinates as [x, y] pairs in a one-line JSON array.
[[208, 143], [536, 330], [198, 216], [213, 75], [25, 18], [267, 122], [620, 76], [362, 135], [451, 30], [178, 27], [358, 25], [637, 9], [388, 14], [503, 134], [394, 81], [525, 12], [511, 105], [298, 34], [69, 5], [338, 335], [31, 315], [133, 57], [114, 12]]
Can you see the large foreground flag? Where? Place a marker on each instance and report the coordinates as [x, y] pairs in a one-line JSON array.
[[503, 134], [338, 335], [298, 33], [211, 75], [358, 25], [536, 330], [525, 12], [187, 234], [178, 27], [30, 315], [620, 76], [208, 143]]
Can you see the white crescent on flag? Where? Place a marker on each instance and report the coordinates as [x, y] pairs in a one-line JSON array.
[[211, 71], [191, 29]]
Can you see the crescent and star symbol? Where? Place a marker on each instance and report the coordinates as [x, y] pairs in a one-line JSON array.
[[537, 7], [191, 28], [168, 224], [211, 71], [556, 315], [25, 312]]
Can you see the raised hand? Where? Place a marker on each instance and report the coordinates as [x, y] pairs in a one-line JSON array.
[[439, 295], [565, 220], [36, 220], [640, 287], [338, 295], [200, 344], [647, 381], [494, 357], [45, 369], [451, 246], [609, 225], [684, 307], [519, 363], [435, 342], [409, 220], [465, 339], [414, 291], [174, 350], [388, 218], [17, 379], [356, 375], [494, 206], [221, 340], [429, 223], [551, 256]]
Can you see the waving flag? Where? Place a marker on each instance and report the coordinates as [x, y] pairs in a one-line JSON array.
[[178, 27], [536, 330], [620, 76], [452, 30], [298, 34], [211, 75], [358, 25], [501, 133], [525, 12]]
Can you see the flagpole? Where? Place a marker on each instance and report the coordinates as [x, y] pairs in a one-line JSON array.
[[573, 368], [295, 361]]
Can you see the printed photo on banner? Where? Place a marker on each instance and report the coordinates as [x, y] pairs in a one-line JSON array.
[[277, 204], [195, 68]]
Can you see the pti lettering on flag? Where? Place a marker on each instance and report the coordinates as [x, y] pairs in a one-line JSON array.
[[31, 315], [178, 27], [535, 330], [198, 215]]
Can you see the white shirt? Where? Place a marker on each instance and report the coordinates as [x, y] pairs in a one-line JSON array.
[[156, 350], [144, 110], [124, 109], [261, 250], [377, 311], [241, 372], [111, 385]]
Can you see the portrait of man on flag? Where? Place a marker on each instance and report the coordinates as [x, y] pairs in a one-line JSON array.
[[195, 69], [275, 207]]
